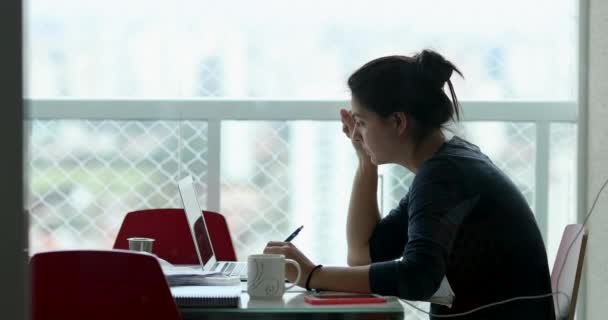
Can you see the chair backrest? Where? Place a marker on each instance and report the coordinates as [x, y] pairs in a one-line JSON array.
[[568, 267], [72, 285], [219, 234], [169, 227]]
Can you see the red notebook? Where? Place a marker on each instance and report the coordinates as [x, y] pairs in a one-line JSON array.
[[331, 297]]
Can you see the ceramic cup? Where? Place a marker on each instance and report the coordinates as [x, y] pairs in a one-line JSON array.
[[266, 275], [141, 244]]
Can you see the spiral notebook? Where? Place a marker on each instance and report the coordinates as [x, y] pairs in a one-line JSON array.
[[207, 296]]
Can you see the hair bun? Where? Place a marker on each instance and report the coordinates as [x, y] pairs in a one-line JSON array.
[[435, 67]]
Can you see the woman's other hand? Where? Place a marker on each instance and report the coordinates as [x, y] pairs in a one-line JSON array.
[[291, 252]]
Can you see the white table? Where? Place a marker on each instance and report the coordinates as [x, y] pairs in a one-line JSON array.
[[292, 306]]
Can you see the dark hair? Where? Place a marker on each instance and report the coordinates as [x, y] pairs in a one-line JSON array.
[[413, 85]]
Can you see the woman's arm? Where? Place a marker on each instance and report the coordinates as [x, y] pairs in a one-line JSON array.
[[363, 214], [345, 279]]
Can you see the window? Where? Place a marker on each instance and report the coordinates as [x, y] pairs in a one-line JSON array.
[[105, 49], [92, 159]]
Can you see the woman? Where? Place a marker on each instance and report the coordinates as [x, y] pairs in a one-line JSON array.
[[462, 218]]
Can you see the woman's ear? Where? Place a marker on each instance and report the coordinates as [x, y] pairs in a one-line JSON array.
[[400, 122]]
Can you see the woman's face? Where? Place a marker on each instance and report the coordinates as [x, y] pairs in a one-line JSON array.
[[378, 135]]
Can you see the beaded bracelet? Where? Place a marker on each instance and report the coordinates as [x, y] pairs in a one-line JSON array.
[[319, 266]]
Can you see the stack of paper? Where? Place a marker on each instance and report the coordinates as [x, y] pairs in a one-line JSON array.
[[188, 276]]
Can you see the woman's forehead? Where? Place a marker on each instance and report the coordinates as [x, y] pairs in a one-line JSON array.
[[357, 109], [362, 113]]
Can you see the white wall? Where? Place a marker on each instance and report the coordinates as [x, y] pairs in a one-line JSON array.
[[596, 294], [13, 238]]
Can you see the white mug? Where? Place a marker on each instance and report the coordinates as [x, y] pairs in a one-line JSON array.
[[266, 275]]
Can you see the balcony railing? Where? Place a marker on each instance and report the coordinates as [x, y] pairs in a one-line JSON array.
[[188, 137]]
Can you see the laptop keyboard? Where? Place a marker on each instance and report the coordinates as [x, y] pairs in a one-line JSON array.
[[234, 269]]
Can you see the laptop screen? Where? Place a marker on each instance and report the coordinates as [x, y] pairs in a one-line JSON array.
[[198, 228]]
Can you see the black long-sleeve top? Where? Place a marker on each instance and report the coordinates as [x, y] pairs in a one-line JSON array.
[[463, 218]]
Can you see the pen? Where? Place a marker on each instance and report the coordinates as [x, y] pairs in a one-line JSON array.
[[294, 234]]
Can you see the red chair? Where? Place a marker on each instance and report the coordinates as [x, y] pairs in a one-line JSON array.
[[71, 285], [169, 227], [568, 267], [221, 240]]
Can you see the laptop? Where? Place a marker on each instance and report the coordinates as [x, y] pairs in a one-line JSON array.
[[200, 235]]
